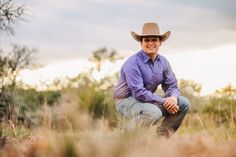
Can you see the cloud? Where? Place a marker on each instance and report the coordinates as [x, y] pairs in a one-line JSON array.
[[75, 28]]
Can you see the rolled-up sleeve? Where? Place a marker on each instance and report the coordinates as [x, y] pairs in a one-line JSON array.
[[135, 82], [170, 84]]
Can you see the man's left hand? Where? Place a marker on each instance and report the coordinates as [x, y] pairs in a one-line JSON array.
[[171, 105]]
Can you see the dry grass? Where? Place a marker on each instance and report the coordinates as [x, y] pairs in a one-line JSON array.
[[66, 132], [102, 142]]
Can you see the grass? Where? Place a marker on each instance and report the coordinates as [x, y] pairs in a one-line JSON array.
[[208, 125], [10, 129], [68, 132], [107, 142]]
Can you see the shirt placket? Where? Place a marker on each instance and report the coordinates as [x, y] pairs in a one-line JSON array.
[[152, 83]]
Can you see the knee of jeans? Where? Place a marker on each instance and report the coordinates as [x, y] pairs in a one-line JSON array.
[[184, 103]]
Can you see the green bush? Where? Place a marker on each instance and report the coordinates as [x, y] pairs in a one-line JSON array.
[[223, 108]]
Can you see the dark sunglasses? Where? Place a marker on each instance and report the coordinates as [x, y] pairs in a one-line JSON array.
[[146, 40]]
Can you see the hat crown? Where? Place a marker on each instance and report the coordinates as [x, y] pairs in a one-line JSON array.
[[150, 29]]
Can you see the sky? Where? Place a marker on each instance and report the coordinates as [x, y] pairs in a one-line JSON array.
[[202, 45]]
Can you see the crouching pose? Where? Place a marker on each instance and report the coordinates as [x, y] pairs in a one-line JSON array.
[[140, 76]]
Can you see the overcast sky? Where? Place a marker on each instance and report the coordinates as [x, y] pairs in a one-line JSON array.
[[202, 45], [64, 29]]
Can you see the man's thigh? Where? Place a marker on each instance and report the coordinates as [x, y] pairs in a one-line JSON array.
[[131, 107]]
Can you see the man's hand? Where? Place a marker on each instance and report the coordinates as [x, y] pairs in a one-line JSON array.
[[171, 105]]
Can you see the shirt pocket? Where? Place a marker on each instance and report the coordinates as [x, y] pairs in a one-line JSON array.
[[159, 77]]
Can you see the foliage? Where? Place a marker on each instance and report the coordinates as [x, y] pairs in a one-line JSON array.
[[96, 97], [31, 99], [12, 130], [228, 92], [96, 100], [11, 63], [222, 104], [101, 55], [7, 110], [191, 90], [31, 102]]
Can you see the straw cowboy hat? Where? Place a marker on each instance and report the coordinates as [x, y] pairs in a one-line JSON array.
[[150, 29]]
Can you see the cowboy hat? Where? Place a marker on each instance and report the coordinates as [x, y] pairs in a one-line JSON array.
[[150, 29]]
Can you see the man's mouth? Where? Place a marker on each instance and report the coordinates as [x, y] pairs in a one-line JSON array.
[[151, 47]]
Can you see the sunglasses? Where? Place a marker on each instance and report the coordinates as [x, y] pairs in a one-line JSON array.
[[146, 40]]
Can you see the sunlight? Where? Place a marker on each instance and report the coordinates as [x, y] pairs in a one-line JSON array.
[[47, 74], [108, 69], [213, 69]]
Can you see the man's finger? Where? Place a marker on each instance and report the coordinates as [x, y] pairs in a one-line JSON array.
[[173, 106], [170, 106], [166, 104], [175, 110], [172, 111]]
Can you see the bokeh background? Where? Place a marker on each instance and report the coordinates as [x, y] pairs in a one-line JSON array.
[[201, 47], [60, 62]]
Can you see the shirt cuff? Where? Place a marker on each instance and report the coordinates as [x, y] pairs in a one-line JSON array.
[[175, 95], [160, 101]]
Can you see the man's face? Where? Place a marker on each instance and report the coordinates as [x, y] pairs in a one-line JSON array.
[[150, 45]]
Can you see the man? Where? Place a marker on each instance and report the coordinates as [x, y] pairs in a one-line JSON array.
[[139, 78]]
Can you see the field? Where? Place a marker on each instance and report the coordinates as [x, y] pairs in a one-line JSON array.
[[65, 131], [60, 101]]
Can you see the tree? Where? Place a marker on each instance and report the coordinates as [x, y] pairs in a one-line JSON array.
[[9, 14], [101, 55], [189, 88], [13, 62], [222, 104], [229, 91], [10, 65]]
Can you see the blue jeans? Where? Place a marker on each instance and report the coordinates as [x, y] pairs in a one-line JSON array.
[[146, 114]]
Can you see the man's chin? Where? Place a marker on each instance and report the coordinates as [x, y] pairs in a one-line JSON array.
[[152, 52]]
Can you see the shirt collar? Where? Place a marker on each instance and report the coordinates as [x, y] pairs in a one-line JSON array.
[[146, 58]]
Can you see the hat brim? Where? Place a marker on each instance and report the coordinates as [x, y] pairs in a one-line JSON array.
[[162, 37]]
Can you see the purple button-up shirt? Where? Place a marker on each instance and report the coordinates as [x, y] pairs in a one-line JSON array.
[[140, 78]]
